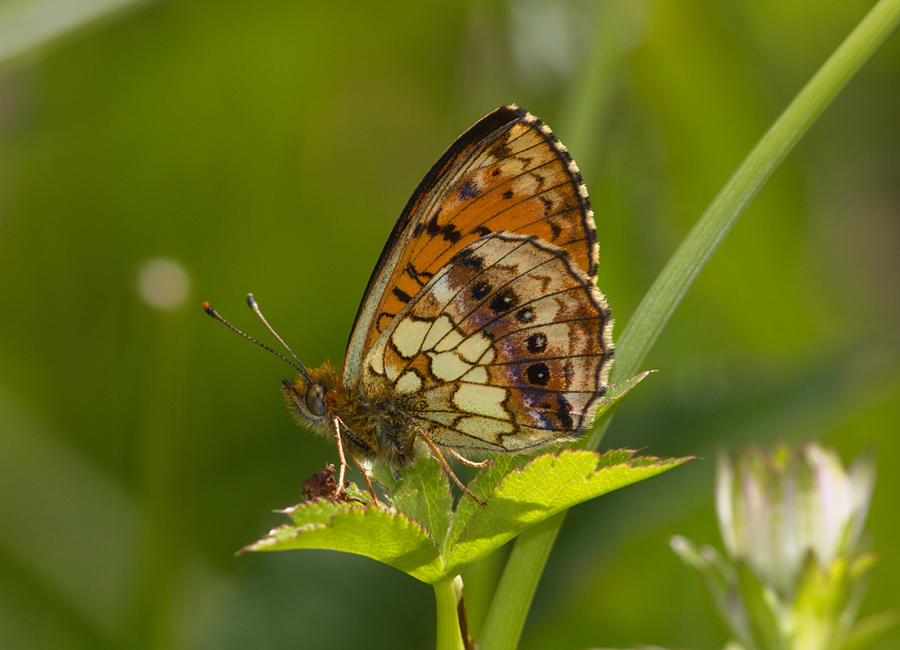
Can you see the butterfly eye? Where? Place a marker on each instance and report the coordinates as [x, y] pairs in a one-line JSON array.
[[315, 400]]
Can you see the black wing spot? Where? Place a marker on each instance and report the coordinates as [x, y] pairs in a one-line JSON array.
[[450, 233], [418, 229], [474, 261], [466, 257], [496, 172], [482, 231], [563, 411], [557, 230], [508, 194], [537, 374], [401, 295], [503, 151], [525, 315], [468, 189], [504, 301], [536, 343], [420, 278], [548, 206], [480, 290], [433, 226]]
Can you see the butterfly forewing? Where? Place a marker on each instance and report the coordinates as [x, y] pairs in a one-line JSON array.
[[506, 348], [505, 174]]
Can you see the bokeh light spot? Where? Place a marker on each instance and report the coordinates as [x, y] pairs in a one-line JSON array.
[[163, 284]]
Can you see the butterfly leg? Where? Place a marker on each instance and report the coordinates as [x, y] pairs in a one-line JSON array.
[[447, 468], [408, 445], [467, 462], [365, 475], [340, 445]]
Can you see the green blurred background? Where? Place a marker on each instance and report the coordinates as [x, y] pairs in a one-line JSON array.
[[269, 147]]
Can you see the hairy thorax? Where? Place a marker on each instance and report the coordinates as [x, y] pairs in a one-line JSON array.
[[376, 422]]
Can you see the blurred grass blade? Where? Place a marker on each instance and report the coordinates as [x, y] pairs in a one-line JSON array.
[[731, 201], [506, 617], [27, 27]]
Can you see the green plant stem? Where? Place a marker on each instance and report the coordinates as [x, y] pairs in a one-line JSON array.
[[446, 598], [521, 574], [518, 583]]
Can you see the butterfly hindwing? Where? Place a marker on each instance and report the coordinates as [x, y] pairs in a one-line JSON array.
[[507, 173], [505, 348]]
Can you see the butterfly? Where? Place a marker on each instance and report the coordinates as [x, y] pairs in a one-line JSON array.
[[482, 330]]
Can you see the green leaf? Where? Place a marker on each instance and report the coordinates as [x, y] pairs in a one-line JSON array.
[[545, 486], [423, 494], [423, 536], [431, 542], [617, 391], [378, 533]]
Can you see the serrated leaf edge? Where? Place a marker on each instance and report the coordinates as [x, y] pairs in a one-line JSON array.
[[644, 461]]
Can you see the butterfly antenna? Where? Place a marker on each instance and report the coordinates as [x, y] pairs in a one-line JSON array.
[[251, 302], [212, 312]]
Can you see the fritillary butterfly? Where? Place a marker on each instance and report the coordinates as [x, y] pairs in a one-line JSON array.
[[482, 329]]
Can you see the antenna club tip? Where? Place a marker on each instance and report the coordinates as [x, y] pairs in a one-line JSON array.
[[251, 300], [208, 308]]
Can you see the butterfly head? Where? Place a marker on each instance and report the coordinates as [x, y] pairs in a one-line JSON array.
[[311, 396]]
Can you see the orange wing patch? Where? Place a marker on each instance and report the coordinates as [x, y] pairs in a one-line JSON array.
[[515, 178]]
